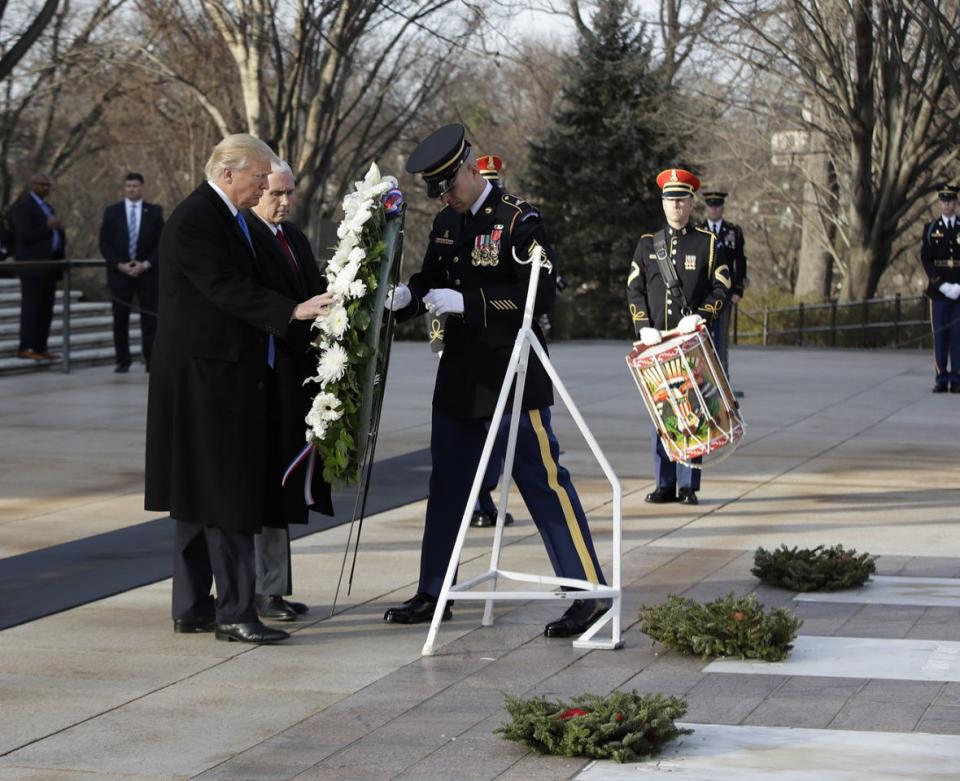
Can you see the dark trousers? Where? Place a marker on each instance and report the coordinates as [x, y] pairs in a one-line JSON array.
[[671, 474], [720, 331], [485, 501], [202, 555], [547, 490], [36, 312], [272, 547], [945, 319], [122, 291]]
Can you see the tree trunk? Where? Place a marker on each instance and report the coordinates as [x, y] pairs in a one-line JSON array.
[[815, 265]]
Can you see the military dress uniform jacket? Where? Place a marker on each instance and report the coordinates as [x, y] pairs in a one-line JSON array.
[[940, 255], [701, 269], [731, 238], [474, 255]]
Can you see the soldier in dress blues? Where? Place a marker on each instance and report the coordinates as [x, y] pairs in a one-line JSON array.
[[730, 236], [704, 277], [475, 271], [940, 255]]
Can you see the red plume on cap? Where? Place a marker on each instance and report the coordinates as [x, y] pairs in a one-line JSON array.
[[489, 166], [677, 183]]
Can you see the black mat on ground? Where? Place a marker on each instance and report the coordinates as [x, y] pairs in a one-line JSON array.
[[46, 581]]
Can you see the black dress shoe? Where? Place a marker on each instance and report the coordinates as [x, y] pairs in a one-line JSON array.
[[190, 625], [577, 618], [297, 607], [687, 496], [661, 496], [416, 611], [482, 520], [250, 632], [271, 608], [122, 368], [940, 387], [955, 387]]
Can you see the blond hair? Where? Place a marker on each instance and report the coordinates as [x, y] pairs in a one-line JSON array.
[[234, 152]]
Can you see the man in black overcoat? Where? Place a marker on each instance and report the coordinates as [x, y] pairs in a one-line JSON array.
[[285, 263], [207, 407], [130, 243], [37, 235]]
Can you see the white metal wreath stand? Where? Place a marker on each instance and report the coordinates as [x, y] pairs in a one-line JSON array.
[[526, 341]]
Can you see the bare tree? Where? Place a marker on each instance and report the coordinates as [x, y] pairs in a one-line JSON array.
[[14, 50]]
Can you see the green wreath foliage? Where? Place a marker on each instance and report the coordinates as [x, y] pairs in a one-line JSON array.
[[817, 569], [621, 726], [729, 626]]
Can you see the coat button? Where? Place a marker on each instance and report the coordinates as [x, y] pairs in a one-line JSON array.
[[456, 259], [456, 282], [669, 311], [260, 385]]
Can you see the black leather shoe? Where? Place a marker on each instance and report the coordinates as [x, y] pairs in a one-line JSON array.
[[577, 618], [188, 626], [940, 387], [271, 608], [955, 387], [297, 607], [250, 632], [687, 496], [416, 611], [661, 496], [482, 520], [122, 368]]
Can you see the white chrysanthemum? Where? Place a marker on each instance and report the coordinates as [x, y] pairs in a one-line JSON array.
[[340, 287], [332, 365], [359, 218], [357, 289], [357, 255], [373, 176], [335, 321]]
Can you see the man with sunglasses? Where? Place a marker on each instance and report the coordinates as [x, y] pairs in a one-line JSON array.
[[475, 271]]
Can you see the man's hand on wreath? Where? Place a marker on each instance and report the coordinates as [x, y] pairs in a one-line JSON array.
[[397, 298], [312, 308], [444, 301]]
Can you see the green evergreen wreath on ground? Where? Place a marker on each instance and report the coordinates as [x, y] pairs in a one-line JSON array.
[[819, 569], [729, 626], [622, 727]]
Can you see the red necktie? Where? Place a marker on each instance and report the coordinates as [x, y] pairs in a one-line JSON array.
[[288, 252]]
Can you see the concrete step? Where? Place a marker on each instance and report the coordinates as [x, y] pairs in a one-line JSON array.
[[93, 356], [8, 312], [84, 323], [8, 347], [8, 297]]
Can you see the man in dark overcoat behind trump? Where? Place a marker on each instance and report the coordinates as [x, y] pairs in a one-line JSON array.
[[207, 411]]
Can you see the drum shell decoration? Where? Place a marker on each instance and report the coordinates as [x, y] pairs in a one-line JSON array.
[[686, 392]]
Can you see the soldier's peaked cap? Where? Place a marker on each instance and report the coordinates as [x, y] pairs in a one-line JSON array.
[[438, 158], [948, 192], [677, 183], [714, 197]]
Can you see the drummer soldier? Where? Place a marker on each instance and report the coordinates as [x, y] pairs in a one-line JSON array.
[[699, 262], [730, 236], [940, 255], [476, 270]]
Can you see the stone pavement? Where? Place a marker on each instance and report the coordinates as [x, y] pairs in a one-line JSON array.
[[842, 446]]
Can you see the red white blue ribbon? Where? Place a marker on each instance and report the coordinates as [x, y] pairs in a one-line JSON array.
[[308, 455]]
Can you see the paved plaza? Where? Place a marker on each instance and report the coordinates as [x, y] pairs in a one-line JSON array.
[[842, 447]]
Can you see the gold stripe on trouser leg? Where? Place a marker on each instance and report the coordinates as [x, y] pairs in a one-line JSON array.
[[571, 517]]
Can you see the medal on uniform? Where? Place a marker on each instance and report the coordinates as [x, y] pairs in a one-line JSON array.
[[690, 263], [486, 249]]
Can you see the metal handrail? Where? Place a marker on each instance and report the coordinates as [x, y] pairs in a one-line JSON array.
[[18, 266]]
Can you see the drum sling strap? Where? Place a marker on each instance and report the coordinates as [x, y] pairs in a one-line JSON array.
[[668, 272]]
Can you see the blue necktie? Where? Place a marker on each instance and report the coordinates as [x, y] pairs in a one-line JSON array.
[[271, 345]]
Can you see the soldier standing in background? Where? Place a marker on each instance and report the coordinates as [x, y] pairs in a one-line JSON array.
[[940, 255]]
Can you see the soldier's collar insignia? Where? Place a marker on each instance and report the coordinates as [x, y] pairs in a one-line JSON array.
[[488, 210]]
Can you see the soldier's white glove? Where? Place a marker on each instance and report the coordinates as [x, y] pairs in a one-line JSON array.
[[688, 324], [650, 336], [398, 298], [444, 301], [950, 290]]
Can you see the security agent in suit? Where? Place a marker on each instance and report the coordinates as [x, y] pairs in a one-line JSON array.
[[940, 256], [704, 277], [207, 410], [285, 263], [130, 243], [37, 235], [730, 236], [470, 273]]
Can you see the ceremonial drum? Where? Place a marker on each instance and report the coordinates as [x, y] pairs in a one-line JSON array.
[[687, 395]]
